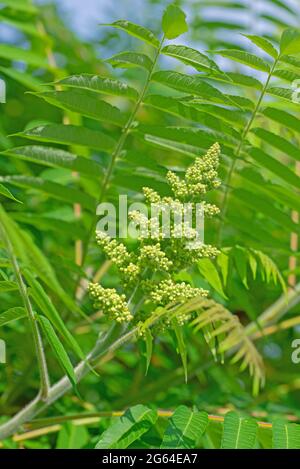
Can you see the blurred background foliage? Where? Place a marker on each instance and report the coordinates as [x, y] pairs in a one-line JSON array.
[[51, 40]]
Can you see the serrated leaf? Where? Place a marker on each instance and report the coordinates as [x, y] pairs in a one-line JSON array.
[[12, 314], [185, 429], [99, 84], [238, 433], [135, 30], [190, 56], [58, 349], [131, 59], [128, 428], [286, 435], [245, 58], [189, 84], [263, 44], [174, 22], [55, 157], [70, 135], [85, 104], [58, 191]]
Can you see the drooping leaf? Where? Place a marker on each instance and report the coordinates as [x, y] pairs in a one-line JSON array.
[[58, 349], [211, 275]]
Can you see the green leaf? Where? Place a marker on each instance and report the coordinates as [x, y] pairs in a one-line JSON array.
[[46, 306], [20, 5], [185, 429], [189, 112], [275, 166], [58, 349], [283, 117], [182, 350], [55, 157], [131, 60], [6, 193], [58, 191], [245, 58], [238, 433], [241, 264], [149, 348], [223, 263], [99, 84], [8, 286], [70, 135], [33, 257], [22, 55], [290, 41], [284, 93], [72, 437], [174, 22], [189, 84], [128, 428], [86, 104], [263, 44], [135, 30], [278, 142], [12, 314], [30, 82], [286, 435], [190, 56], [211, 275]]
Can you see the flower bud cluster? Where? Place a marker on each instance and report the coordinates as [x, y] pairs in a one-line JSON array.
[[111, 303], [199, 177]]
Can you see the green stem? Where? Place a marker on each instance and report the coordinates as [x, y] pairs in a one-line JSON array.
[[37, 340], [120, 145], [224, 205]]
